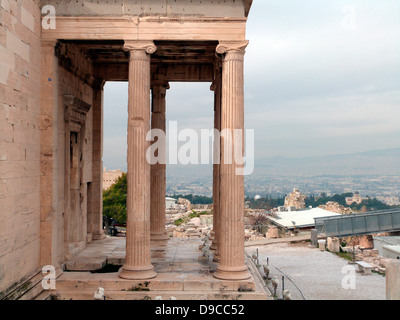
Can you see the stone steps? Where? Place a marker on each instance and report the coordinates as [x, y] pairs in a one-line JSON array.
[[82, 286], [182, 270], [151, 295], [164, 282]]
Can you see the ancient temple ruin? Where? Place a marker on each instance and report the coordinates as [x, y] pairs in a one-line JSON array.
[[53, 70]]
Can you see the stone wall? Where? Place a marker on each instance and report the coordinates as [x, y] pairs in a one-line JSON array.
[[43, 220], [71, 204], [20, 62]]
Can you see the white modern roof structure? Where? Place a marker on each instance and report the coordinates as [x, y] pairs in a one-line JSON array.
[[300, 219], [388, 246]]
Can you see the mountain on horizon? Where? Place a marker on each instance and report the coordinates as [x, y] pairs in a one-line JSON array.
[[373, 162]]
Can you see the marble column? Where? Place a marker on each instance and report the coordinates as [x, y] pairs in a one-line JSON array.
[[158, 170], [232, 264], [138, 264], [216, 87], [95, 214]]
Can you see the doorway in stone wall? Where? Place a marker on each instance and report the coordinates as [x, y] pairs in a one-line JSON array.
[[115, 156]]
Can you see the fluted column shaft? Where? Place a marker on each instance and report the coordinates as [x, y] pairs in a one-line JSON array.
[[158, 170], [138, 265], [231, 203], [216, 165]]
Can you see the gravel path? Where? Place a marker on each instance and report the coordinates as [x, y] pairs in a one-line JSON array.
[[317, 275]]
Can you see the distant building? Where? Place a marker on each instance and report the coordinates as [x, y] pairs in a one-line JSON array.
[[110, 177], [390, 201], [355, 198], [170, 203]]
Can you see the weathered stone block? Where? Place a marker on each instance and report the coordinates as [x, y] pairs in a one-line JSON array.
[[14, 44], [5, 4], [393, 280], [27, 19]]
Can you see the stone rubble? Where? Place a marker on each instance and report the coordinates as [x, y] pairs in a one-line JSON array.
[[336, 207], [296, 199], [370, 256]]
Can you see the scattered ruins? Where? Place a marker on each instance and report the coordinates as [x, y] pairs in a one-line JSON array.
[[295, 199], [336, 207]]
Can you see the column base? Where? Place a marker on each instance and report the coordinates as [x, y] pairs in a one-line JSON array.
[[137, 273], [216, 258], [232, 273], [213, 246], [159, 237], [99, 236]]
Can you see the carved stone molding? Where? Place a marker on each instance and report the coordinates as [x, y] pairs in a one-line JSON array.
[[49, 46], [75, 111], [74, 61], [132, 45], [98, 83], [160, 83], [228, 46]]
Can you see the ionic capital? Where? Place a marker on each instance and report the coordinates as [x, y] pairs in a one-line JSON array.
[[138, 45], [48, 46], [214, 84], [163, 84], [229, 46], [48, 43]]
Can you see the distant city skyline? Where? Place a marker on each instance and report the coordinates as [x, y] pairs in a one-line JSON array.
[[322, 78]]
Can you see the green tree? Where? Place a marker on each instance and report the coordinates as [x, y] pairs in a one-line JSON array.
[[194, 199], [266, 203], [370, 205], [114, 200]]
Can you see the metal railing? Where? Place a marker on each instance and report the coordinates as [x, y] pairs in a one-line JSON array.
[[359, 224]]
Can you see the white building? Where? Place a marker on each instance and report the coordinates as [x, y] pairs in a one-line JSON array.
[[300, 219], [170, 203], [388, 247], [110, 177]]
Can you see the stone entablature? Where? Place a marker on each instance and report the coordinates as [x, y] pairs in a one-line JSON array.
[[147, 28], [162, 8]]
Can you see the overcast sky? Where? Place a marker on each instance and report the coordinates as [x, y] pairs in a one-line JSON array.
[[321, 78]]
